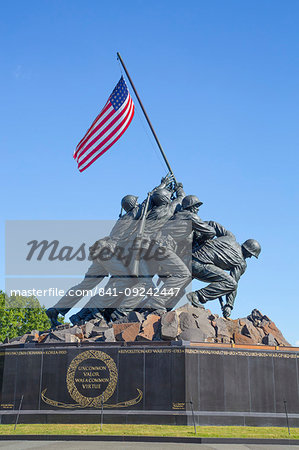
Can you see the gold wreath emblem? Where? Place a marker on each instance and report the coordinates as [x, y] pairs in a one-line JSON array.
[[71, 383]]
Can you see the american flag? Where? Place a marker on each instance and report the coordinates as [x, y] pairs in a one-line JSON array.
[[107, 128]]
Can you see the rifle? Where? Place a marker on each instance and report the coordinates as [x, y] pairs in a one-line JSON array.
[[221, 303], [138, 240]]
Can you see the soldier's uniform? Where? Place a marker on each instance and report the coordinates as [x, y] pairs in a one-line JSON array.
[[100, 269], [210, 264], [182, 227], [172, 270], [122, 236]]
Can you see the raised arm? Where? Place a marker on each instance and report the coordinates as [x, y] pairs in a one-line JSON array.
[[220, 230], [202, 230], [180, 194]]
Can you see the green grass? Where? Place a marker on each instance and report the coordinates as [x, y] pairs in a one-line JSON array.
[[153, 430]]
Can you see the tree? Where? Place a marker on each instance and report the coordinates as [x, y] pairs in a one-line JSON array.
[[20, 315]]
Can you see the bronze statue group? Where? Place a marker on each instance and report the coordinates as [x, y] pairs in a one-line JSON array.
[[153, 252]]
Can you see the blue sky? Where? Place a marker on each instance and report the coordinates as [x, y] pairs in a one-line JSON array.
[[220, 83]]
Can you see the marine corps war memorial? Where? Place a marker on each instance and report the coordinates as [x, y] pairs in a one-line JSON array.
[[145, 347]]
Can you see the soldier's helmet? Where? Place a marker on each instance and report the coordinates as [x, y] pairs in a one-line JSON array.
[[129, 202], [161, 197], [190, 200], [253, 247]]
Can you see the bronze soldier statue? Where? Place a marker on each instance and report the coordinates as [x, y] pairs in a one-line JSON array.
[[172, 270], [186, 226], [213, 259], [163, 205], [100, 269]]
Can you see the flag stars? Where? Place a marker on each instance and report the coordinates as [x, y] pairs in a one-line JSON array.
[[119, 94]]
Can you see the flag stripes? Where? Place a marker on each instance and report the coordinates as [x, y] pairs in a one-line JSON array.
[[100, 129], [107, 127]]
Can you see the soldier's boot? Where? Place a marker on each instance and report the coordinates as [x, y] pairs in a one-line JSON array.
[[118, 315], [94, 313], [80, 317], [195, 298], [53, 313], [156, 312], [106, 312], [226, 311], [145, 311]]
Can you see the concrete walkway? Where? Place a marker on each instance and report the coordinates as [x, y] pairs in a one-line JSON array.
[[102, 445]]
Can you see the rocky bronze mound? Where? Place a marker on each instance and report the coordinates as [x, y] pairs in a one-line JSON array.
[[185, 323]]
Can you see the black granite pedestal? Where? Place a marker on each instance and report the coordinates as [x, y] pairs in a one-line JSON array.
[[154, 383]]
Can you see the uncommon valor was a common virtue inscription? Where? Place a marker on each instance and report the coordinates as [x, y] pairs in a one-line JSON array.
[[149, 384], [91, 380]]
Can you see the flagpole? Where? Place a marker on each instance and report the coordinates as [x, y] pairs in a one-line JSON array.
[[147, 118]]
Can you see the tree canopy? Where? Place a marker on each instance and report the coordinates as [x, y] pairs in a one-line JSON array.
[[20, 315]]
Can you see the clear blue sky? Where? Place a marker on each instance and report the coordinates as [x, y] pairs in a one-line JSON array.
[[220, 83]]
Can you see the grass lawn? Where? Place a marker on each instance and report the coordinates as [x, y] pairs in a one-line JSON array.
[[153, 430]]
